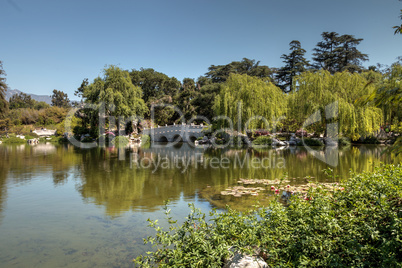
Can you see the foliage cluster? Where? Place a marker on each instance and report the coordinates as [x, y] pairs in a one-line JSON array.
[[244, 98], [312, 142], [120, 141], [335, 96], [145, 139], [14, 140], [263, 140], [343, 141], [360, 226], [44, 117]]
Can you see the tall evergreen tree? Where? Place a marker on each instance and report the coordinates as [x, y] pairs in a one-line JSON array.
[[60, 99], [205, 96], [3, 88], [184, 98], [295, 63], [338, 53]]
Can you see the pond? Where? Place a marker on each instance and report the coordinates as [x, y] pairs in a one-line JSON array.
[[62, 206]]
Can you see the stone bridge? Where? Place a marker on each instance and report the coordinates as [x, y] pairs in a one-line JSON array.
[[186, 133], [45, 132]]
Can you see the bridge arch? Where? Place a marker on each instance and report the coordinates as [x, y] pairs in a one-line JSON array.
[[177, 138], [192, 138], [173, 133], [163, 138]]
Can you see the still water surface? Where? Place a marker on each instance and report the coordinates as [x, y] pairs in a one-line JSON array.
[[62, 206]]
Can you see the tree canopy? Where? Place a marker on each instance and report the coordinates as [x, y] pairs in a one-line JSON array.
[[244, 97], [318, 91], [60, 99], [338, 53], [21, 100], [220, 73], [154, 84], [117, 93], [295, 63]]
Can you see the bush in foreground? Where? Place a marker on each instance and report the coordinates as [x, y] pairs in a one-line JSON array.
[[360, 226]]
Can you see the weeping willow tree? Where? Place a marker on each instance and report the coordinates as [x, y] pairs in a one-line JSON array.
[[388, 95], [317, 91], [249, 102]]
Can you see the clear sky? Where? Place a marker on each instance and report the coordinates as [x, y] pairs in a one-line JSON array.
[[54, 44]]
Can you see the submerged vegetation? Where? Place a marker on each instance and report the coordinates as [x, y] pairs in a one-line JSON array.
[[358, 223]]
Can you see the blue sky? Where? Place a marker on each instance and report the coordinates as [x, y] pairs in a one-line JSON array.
[[48, 45]]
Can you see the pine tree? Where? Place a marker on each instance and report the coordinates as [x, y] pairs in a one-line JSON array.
[[338, 53], [295, 63]]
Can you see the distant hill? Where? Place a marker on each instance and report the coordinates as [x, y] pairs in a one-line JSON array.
[[44, 98]]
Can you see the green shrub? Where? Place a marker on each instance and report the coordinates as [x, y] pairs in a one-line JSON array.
[[370, 140], [359, 225], [120, 141], [312, 142], [145, 139], [263, 140], [14, 140], [30, 137]]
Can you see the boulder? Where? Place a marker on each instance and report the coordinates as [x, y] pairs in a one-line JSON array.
[[330, 142], [245, 261], [276, 142]]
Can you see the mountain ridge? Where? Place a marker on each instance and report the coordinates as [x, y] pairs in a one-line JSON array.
[[45, 98]]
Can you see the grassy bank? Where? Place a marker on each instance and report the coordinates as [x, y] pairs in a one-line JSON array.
[[359, 225]]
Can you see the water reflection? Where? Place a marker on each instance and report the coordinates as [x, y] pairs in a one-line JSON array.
[[141, 179]]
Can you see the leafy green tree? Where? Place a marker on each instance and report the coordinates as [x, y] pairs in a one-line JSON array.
[[204, 98], [243, 97], [295, 63], [60, 99], [3, 88], [80, 91], [39, 105], [317, 91], [154, 84], [338, 53], [158, 90], [21, 100], [117, 93], [388, 95], [220, 73], [185, 96]]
